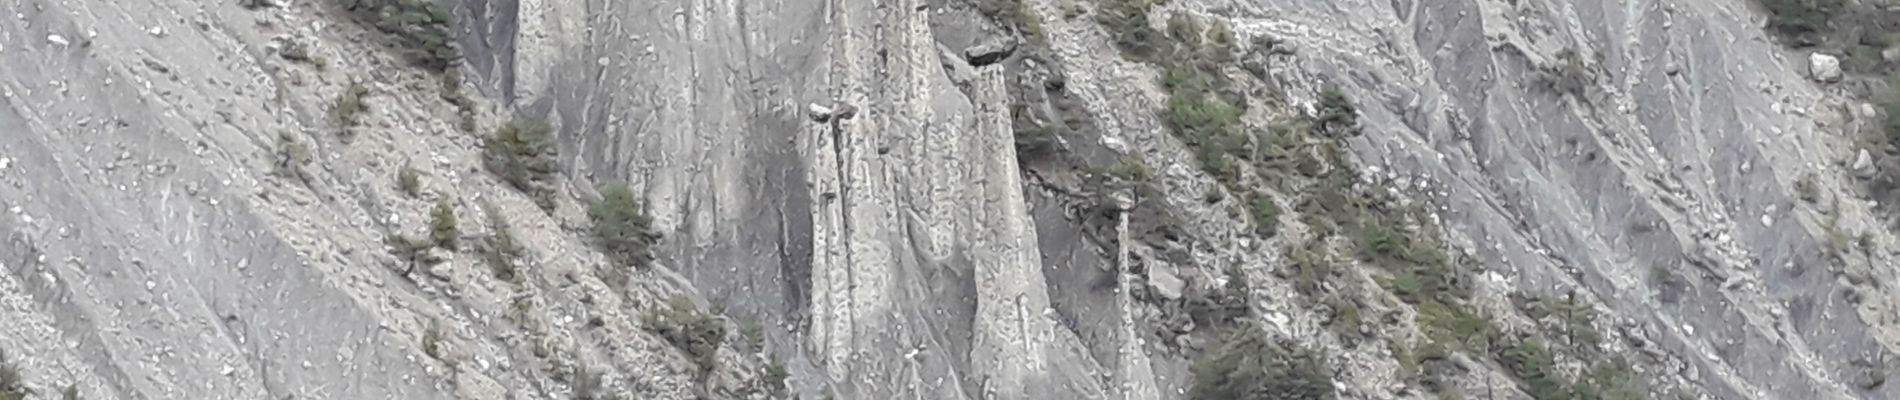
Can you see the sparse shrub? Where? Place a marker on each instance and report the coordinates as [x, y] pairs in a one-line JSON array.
[[1266, 213], [350, 105], [432, 340], [1806, 190], [409, 181], [71, 392], [1610, 381], [1800, 21], [1346, 319], [1032, 139], [754, 334], [442, 225], [1569, 75], [411, 251], [1130, 169], [1127, 22], [622, 229], [1533, 365], [697, 333], [464, 106], [1014, 14], [500, 249], [1251, 366], [291, 156], [587, 385], [1446, 323], [1308, 267], [419, 28], [775, 376], [1337, 116], [522, 153], [1070, 10], [12, 386], [298, 51]]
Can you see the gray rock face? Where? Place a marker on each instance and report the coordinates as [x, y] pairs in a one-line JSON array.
[[837, 173]]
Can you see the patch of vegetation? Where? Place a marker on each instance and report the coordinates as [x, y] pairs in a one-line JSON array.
[[464, 106], [1806, 190], [1536, 368], [411, 251], [409, 181], [1346, 320], [1336, 116], [1575, 321], [71, 392], [12, 385], [500, 249], [1309, 267], [775, 376], [442, 225], [1801, 21], [350, 105], [754, 334], [522, 153], [1221, 307], [1251, 366], [432, 340], [697, 333], [622, 229], [291, 156], [1130, 169], [1127, 22], [1032, 139], [1837, 240], [1013, 14], [1610, 381], [1071, 10], [1266, 213], [419, 29], [298, 51], [587, 385]]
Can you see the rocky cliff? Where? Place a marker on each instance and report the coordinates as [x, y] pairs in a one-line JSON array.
[[995, 199]]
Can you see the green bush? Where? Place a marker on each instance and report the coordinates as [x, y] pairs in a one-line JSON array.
[[1127, 22], [71, 393], [409, 181], [522, 153], [697, 333], [349, 105], [1610, 381], [1337, 116], [1130, 169], [500, 249], [419, 28], [464, 106], [622, 229], [1251, 366], [432, 340], [1535, 367], [775, 376], [411, 250], [442, 225], [1266, 213], [1014, 14], [291, 156]]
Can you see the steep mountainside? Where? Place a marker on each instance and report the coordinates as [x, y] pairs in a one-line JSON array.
[[944, 199]]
